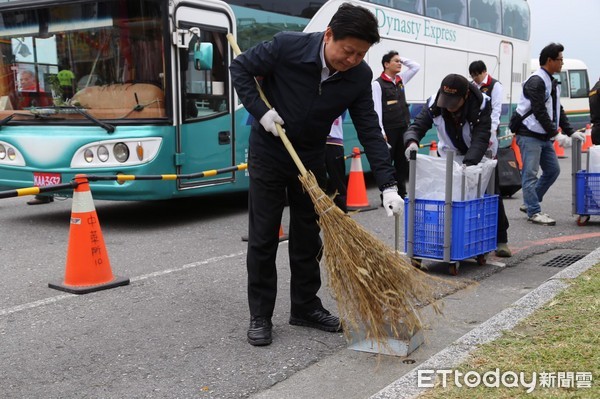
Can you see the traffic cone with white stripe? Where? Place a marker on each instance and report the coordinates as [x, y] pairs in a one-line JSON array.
[[357, 190], [588, 138], [88, 268], [433, 149], [517, 150], [560, 151]]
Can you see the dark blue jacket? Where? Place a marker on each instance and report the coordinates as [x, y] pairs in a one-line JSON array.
[[289, 68]]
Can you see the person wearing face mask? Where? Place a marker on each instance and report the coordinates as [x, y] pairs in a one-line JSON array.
[[310, 79]]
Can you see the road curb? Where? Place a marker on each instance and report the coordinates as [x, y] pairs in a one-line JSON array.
[[406, 386]]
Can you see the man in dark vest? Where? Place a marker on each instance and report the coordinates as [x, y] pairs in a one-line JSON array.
[[389, 98]]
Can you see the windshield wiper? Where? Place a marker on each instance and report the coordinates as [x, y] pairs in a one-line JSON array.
[[46, 112], [107, 126], [7, 119], [11, 116]]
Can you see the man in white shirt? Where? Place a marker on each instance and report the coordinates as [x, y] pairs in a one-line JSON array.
[[392, 109], [493, 89]]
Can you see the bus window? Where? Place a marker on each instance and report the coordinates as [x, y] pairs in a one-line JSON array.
[[255, 25], [485, 14], [578, 84], [515, 17], [204, 90], [574, 84], [454, 11]]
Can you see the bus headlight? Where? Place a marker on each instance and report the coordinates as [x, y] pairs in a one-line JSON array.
[[103, 153], [88, 155], [121, 152], [116, 153], [10, 155]]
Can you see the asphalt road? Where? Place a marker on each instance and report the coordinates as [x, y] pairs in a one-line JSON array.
[[178, 330]]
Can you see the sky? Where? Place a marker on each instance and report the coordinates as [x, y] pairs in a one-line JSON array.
[[574, 24]]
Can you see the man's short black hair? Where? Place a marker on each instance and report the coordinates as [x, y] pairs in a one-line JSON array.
[[354, 21], [551, 51], [388, 57], [477, 67]]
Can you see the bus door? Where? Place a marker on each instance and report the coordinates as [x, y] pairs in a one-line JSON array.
[[203, 94], [509, 75]]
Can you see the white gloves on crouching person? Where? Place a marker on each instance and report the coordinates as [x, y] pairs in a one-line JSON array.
[[563, 140], [579, 136], [411, 147], [392, 202], [269, 120]]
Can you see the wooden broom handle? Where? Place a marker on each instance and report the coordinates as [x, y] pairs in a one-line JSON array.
[[282, 135]]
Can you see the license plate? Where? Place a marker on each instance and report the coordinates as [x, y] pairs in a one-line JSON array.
[[43, 179]]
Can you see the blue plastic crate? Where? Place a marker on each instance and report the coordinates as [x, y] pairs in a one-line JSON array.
[[588, 193], [474, 228]]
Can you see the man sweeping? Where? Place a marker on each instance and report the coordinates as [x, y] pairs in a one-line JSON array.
[[310, 79]]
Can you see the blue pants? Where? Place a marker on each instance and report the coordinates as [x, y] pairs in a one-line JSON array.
[[537, 154]]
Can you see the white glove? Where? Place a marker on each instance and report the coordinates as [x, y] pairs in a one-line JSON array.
[[269, 120], [563, 140], [579, 136], [411, 147], [392, 202]]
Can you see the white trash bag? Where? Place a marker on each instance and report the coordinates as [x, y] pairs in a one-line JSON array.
[[431, 178]]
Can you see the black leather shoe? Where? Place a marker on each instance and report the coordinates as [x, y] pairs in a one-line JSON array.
[[259, 332], [318, 318]]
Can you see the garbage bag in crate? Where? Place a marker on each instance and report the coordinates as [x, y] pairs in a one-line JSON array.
[[473, 230]]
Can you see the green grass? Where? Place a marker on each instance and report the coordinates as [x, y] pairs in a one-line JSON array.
[[562, 336]]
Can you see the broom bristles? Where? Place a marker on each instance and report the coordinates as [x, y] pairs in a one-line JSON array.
[[376, 288]]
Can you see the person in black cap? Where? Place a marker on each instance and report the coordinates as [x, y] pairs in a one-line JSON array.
[[462, 117]]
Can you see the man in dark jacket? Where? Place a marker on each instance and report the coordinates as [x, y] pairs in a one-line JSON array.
[[310, 79], [462, 117]]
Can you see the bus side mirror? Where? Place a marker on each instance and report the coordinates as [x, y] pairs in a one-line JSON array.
[[203, 56]]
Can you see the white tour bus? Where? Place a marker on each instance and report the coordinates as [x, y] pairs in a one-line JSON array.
[[445, 36]]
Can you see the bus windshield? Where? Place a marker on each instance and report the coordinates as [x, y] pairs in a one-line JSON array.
[[103, 57]]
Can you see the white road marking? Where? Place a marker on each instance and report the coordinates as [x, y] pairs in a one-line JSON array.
[[48, 301]]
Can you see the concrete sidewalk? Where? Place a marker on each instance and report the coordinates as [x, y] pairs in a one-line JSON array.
[[472, 317]]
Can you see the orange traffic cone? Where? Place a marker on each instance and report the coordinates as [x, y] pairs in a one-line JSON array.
[[357, 191], [517, 151], [433, 149], [282, 235], [88, 267], [560, 151], [588, 138]]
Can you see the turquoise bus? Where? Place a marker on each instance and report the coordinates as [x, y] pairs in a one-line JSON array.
[[142, 87]]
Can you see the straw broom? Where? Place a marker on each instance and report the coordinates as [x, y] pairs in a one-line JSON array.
[[376, 288]]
